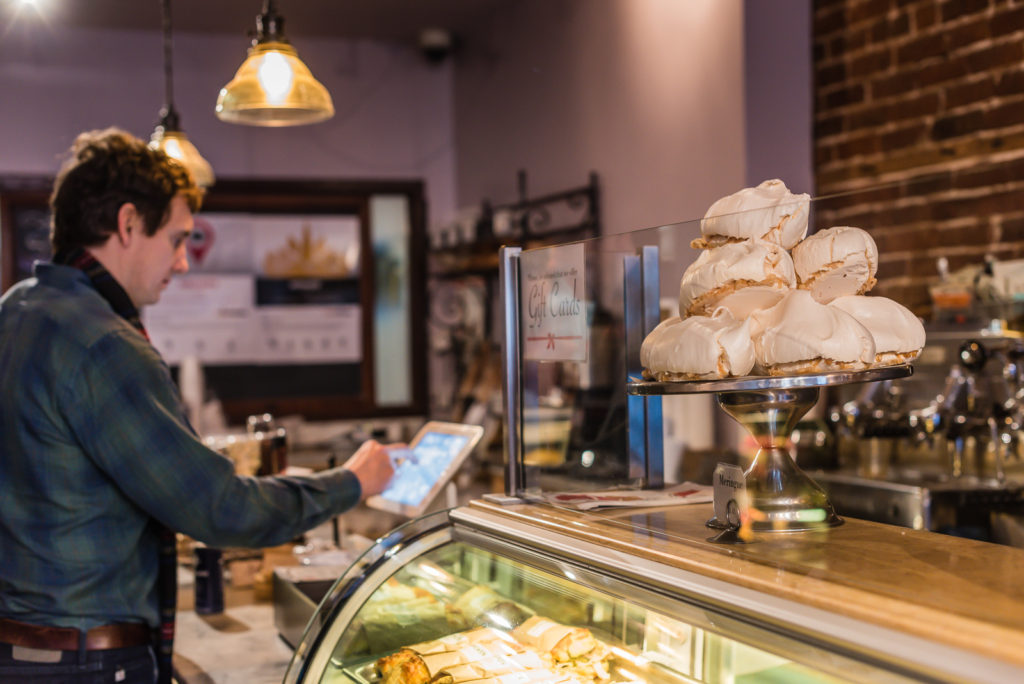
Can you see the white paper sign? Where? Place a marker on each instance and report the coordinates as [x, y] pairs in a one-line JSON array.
[[553, 305], [310, 334], [209, 317], [215, 319]]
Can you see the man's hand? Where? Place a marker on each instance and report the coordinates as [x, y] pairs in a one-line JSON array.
[[372, 465]]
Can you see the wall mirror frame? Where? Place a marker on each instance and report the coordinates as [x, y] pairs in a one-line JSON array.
[[316, 391]]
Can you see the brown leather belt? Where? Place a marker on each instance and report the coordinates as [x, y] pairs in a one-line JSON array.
[[102, 638]]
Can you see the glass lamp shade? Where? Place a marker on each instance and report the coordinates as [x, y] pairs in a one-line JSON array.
[[176, 145], [274, 88]]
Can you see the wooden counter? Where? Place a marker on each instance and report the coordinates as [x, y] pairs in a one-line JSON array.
[[960, 592]]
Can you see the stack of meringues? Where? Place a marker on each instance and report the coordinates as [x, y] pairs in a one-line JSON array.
[[761, 298]]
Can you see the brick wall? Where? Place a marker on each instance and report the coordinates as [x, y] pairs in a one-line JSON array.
[[923, 102]]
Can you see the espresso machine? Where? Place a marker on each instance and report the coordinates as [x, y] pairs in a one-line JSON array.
[[942, 450]]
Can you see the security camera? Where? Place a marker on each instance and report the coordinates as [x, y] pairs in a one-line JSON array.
[[436, 44]]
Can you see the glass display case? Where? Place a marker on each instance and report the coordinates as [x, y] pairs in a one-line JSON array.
[[486, 594]]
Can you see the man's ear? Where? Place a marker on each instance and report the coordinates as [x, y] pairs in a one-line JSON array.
[[129, 223]]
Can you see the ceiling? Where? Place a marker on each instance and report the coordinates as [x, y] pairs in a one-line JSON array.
[[381, 19]]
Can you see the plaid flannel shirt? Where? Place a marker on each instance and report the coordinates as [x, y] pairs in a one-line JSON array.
[[94, 449]]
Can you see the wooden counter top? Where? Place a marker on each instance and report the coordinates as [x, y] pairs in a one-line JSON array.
[[960, 592]]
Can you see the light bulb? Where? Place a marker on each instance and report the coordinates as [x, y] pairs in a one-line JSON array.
[[275, 76]]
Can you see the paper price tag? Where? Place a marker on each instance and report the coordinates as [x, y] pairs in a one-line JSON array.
[[730, 493]]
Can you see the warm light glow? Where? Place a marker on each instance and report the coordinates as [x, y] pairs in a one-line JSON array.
[[275, 75], [176, 145], [637, 660], [274, 88]]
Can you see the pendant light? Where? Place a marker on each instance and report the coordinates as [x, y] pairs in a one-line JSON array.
[[273, 87], [168, 135]]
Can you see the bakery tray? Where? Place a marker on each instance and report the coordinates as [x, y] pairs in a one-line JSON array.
[[767, 382]]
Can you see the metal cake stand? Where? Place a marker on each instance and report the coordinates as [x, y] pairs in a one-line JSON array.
[[781, 496]]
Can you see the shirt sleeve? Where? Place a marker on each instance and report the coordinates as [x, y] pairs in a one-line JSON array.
[[126, 413]]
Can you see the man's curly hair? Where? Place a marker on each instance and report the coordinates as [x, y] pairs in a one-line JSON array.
[[107, 169]]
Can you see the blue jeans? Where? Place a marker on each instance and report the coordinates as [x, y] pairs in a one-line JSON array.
[[134, 665]]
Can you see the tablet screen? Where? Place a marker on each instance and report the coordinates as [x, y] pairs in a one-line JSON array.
[[416, 476]]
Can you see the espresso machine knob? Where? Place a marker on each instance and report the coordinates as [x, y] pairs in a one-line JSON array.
[[972, 355]]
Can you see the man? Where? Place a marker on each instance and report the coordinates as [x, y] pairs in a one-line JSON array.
[[97, 462]]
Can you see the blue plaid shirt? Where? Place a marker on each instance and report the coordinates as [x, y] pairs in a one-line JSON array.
[[94, 450]]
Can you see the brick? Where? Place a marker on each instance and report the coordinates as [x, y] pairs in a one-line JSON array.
[[913, 213], [958, 124], [894, 84], [982, 177], [830, 21], [970, 32], [1010, 82], [1013, 230], [903, 240], [1006, 21], [861, 10], [961, 94], [1006, 54], [918, 106], [940, 72], [871, 63], [883, 193], [981, 233], [856, 39], [826, 127], [926, 16], [871, 117], [921, 48], [931, 184], [863, 145], [823, 154], [903, 137], [995, 202], [952, 9], [845, 96], [835, 48], [818, 52], [888, 29], [830, 75], [1005, 115], [889, 269]]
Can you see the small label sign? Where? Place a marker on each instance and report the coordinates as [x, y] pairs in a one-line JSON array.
[[553, 303], [730, 489]]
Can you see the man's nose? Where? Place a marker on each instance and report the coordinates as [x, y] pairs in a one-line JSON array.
[[181, 263]]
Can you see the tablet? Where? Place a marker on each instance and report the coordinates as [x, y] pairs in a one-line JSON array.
[[433, 457]]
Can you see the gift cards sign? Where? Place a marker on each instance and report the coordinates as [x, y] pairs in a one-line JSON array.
[[553, 304]]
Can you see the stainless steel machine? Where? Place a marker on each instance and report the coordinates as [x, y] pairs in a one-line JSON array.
[[942, 450]]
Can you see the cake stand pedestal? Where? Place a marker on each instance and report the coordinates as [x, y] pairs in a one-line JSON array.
[[781, 497]]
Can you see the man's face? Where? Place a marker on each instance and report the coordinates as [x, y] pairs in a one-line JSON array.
[[156, 258]]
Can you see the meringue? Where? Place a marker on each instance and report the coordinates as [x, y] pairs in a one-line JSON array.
[[746, 300], [799, 335], [698, 348], [836, 262], [768, 212], [721, 271], [898, 334]]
